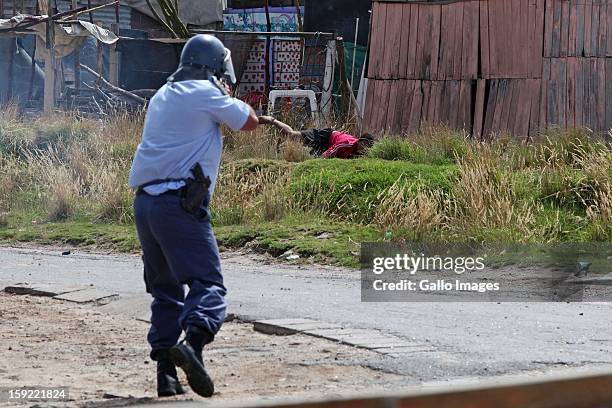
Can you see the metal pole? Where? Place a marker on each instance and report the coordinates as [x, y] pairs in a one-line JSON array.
[[77, 60], [354, 53], [49, 98]]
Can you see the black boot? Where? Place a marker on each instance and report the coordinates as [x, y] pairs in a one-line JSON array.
[[188, 356], [168, 383]]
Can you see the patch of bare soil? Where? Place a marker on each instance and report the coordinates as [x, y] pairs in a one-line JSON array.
[[47, 342]]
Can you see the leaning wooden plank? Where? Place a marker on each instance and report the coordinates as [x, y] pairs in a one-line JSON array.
[[435, 41], [407, 96], [417, 107], [394, 43], [539, 45], [484, 38], [500, 33], [509, 104], [502, 90], [392, 32], [422, 40], [457, 54], [511, 46], [571, 92], [479, 108], [523, 38], [490, 108], [534, 115], [453, 113], [369, 106], [595, 28], [444, 110], [553, 91], [603, 29], [571, 43], [425, 119], [521, 125], [592, 93], [562, 92], [609, 29], [391, 125], [381, 106], [564, 48], [469, 59], [579, 28], [608, 94], [434, 102], [556, 33], [532, 40], [548, 28], [414, 34], [580, 100], [446, 40], [379, 15], [600, 92], [543, 102], [517, 108], [465, 112], [374, 84], [588, 20], [404, 41]]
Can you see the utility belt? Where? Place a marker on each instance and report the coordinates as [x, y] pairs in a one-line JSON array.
[[192, 194]]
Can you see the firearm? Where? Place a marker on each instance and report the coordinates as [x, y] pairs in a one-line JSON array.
[[195, 190]]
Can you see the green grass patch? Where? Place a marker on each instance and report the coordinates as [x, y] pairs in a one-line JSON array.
[[351, 188]]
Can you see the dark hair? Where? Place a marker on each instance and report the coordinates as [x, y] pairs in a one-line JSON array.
[[366, 139]]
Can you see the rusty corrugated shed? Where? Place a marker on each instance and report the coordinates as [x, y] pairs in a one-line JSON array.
[[489, 66]]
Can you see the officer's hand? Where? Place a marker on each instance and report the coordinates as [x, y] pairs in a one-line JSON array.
[[227, 88], [264, 120]]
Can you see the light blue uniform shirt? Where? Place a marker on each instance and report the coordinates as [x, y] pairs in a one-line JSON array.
[[181, 129]]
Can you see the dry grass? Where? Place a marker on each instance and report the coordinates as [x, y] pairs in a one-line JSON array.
[[410, 209], [557, 188]]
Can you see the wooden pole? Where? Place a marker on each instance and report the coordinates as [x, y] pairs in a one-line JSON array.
[[113, 59], [49, 98], [32, 73], [33, 66], [268, 50], [114, 54], [77, 60], [328, 79], [11, 68]]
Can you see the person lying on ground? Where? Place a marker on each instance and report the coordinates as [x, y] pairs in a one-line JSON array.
[[325, 142]]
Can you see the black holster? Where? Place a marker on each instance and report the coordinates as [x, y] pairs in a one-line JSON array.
[[195, 191]]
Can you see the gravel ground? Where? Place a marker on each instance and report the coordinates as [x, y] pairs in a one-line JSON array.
[[47, 342]]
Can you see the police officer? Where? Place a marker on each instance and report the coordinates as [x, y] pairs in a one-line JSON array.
[[176, 163]]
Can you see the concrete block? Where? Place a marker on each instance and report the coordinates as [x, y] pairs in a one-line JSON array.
[[86, 296], [403, 349], [338, 334]]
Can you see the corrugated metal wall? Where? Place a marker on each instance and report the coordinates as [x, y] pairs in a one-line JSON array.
[[490, 66]]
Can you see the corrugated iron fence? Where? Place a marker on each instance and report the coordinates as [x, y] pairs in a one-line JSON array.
[[490, 66]]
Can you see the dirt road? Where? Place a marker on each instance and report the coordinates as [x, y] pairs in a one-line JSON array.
[[468, 340], [47, 342]]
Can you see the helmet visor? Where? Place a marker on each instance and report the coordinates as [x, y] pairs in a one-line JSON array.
[[228, 66]]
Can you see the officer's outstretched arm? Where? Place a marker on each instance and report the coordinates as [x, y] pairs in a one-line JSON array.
[[283, 127], [252, 121]]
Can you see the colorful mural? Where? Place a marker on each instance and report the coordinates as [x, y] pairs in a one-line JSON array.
[[282, 19], [285, 53]]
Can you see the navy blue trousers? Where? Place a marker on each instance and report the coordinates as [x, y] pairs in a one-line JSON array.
[[179, 249]]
